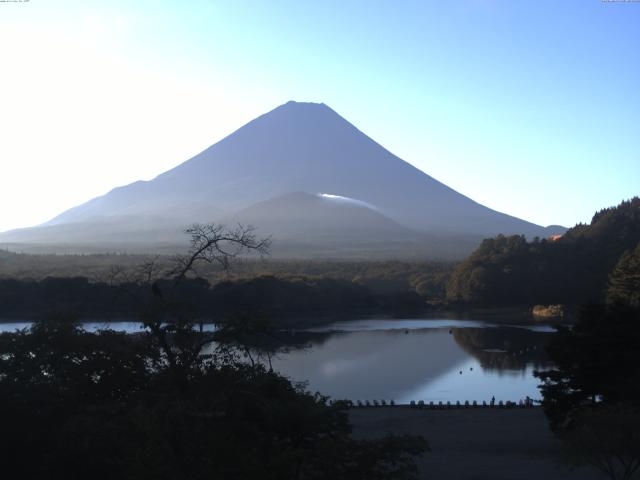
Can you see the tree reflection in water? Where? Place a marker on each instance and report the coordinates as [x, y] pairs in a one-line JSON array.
[[504, 348]]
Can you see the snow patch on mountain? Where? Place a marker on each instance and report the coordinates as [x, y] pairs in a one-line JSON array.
[[348, 200]]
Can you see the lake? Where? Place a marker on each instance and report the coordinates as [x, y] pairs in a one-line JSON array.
[[404, 360]]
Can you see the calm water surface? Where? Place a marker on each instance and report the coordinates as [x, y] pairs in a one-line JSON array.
[[430, 360], [410, 359]]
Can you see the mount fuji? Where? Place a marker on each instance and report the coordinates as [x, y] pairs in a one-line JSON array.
[[300, 173]]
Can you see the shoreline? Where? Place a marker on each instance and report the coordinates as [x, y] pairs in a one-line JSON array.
[[498, 315]]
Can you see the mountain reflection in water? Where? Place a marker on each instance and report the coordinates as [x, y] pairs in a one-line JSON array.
[[430, 364]]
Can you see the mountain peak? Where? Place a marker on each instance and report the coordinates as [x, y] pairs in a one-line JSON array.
[[301, 109], [293, 103], [298, 146]]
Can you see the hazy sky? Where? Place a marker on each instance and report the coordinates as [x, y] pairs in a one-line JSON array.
[[529, 107]]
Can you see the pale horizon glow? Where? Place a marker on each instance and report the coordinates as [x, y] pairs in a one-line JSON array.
[[529, 108]]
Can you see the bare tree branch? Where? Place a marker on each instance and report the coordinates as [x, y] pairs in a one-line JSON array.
[[215, 243]]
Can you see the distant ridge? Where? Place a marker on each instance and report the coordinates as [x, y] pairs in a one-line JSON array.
[[296, 149], [301, 214]]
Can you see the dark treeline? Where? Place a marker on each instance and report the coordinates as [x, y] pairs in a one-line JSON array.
[[34, 299], [574, 269], [268, 296], [310, 297], [101, 266], [426, 278]]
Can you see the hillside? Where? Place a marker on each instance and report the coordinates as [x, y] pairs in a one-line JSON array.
[[574, 269]]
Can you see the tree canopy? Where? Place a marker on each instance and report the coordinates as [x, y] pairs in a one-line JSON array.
[[573, 269], [624, 281]]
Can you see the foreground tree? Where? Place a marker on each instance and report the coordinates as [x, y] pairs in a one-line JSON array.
[[172, 402], [592, 396], [596, 363], [607, 438]]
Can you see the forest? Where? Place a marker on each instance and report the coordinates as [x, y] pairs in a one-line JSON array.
[[104, 286], [584, 265], [303, 299]]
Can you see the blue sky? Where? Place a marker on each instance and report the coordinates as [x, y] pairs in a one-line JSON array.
[[529, 107]]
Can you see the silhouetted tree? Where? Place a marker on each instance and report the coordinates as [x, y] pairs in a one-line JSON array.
[[167, 403]]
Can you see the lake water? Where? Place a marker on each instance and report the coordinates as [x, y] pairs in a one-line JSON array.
[[409, 359]]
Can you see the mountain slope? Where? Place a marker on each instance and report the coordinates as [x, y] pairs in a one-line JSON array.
[[298, 147], [301, 215]]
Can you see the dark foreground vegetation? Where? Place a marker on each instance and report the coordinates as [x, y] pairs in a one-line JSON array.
[[592, 395], [80, 405], [174, 403]]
